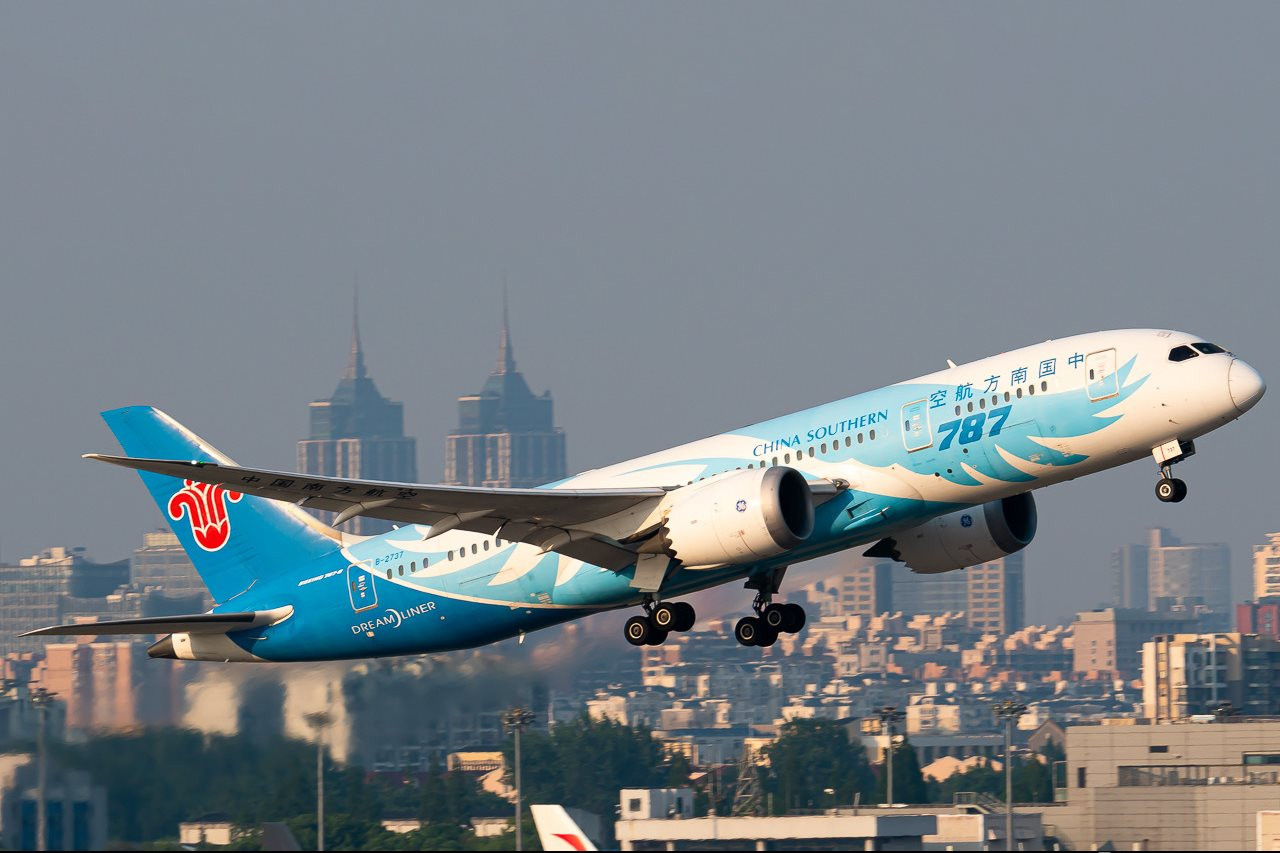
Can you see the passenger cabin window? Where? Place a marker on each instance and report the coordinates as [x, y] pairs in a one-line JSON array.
[[1209, 349], [871, 434], [1181, 353]]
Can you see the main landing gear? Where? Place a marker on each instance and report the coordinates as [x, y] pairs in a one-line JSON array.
[[771, 619], [660, 619], [1170, 489]]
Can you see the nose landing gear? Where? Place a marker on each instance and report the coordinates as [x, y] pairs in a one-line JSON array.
[[1170, 489]]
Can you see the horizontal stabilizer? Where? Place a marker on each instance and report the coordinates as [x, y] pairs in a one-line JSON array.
[[196, 623]]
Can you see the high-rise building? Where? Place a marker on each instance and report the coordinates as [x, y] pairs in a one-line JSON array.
[[506, 435], [1185, 674], [42, 589], [1129, 568], [864, 589], [1184, 573], [991, 595], [1266, 568], [358, 434], [161, 562], [1110, 640]]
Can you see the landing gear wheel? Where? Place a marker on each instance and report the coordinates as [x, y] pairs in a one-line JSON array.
[[657, 638], [795, 617], [664, 617], [767, 637], [748, 630], [685, 615], [775, 617], [637, 630], [1171, 490]]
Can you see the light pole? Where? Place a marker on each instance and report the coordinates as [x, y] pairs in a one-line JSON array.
[[1008, 713], [888, 716], [40, 699], [514, 720], [319, 721]]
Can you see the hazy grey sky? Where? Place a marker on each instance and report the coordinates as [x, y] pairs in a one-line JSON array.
[[708, 214]]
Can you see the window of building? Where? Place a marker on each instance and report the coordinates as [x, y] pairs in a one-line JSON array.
[[1158, 748], [1080, 777]]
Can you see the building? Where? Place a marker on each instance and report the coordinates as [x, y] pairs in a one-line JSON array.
[[1266, 568], [1110, 640], [991, 595], [1167, 786], [1129, 568], [1185, 573], [861, 590], [75, 808], [506, 435], [1259, 617], [162, 563], [34, 593], [358, 434], [1188, 674]]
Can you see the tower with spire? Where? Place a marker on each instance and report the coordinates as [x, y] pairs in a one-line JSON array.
[[357, 433], [506, 435]]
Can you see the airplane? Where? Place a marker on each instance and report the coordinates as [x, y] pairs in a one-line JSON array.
[[557, 830], [935, 472]]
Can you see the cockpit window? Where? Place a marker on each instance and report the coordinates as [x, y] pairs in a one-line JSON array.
[[1209, 349], [1182, 353]]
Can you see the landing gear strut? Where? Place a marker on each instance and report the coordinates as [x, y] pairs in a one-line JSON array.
[[1170, 489], [660, 619], [771, 619]]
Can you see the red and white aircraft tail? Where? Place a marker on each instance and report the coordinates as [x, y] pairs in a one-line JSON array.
[[558, 831]]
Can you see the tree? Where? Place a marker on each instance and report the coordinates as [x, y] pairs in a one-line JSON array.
[[908, 781], [583, 762], [811, 756]]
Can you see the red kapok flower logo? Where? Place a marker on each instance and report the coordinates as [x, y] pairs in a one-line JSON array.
[[205, 506]]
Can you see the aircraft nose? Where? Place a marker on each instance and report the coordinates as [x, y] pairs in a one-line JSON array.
[[1245, 384]]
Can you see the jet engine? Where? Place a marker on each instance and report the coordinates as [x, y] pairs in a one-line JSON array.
[[739, 517], [966, 537]]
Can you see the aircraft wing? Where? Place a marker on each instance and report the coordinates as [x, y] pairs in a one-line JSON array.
[[555, 519], [195, 623]]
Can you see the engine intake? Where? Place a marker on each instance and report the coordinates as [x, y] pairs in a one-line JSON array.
[[739, 517], [965, 537]]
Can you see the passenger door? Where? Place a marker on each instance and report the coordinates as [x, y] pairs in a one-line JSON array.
[[1100, 375], [361, 589], [916, 434]]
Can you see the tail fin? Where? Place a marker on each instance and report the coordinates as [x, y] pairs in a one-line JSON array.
[[558, 831], [231, 538]]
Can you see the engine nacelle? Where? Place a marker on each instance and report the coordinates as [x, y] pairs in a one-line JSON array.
[[966, 537], [739, 517]]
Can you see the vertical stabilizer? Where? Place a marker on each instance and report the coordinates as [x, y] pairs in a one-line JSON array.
[[233, 539], [558, 831]]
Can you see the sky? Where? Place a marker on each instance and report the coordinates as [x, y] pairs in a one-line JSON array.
[[707, 214]]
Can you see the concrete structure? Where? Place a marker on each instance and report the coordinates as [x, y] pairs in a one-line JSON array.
[[1185, 572], [161, 562], [1129, 568], [991, 595], [651, 803], [1266, 568], [213, 830], [864, 589], [1259, 617], [75, 808], [1110, 640], [506, 435], [34, 592], [1186, 674], [1170, 786], [358, 434], [839, 831]]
